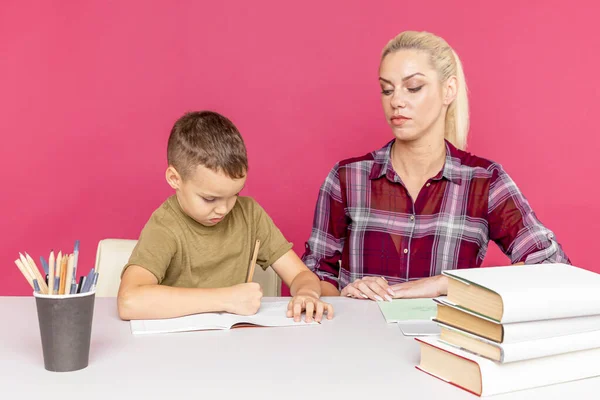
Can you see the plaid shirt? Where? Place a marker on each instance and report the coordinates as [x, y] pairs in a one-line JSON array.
[[366, 218]]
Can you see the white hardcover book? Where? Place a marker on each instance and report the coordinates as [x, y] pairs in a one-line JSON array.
[[533, 330], [529, 292], [519, 351], [485, 378], [270, 314]]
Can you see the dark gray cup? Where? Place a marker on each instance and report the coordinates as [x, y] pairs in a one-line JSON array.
[[66, 329]]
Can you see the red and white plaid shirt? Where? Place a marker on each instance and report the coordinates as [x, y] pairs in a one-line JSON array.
[[366, 218]]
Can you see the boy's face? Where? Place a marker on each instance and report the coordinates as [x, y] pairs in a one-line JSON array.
[[206, 196]]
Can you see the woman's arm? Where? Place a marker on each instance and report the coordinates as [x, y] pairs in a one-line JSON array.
[[514, 226], [330, 224]]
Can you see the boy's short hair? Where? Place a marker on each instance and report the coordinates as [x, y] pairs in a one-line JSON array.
[[209, 139]]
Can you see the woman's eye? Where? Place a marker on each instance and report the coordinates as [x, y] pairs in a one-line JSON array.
[[415, 89], [387, 92]]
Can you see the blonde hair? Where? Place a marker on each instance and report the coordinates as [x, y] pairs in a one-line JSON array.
[[446, 62]]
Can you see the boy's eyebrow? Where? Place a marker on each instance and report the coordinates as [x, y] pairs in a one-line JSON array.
[[208, 195], [214, 196], [403, 79]]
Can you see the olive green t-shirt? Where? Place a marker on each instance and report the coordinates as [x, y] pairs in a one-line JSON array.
[[182, 252]]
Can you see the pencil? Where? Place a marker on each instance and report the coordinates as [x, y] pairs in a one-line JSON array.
[[87, 283], [95, 282], [25, 272], [63, 275], [36, 272], [253, 262], [69, 280], [80, 286], [51, 268], [46, 268], [36, 286], [44, 265], [75, 260], [57, 272]]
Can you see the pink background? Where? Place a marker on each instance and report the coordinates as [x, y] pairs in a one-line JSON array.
[[90, 89]]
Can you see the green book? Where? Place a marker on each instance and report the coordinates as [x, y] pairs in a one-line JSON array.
[[399, 310]]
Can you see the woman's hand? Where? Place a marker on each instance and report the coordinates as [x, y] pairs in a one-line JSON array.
[[427, 287], [369, 287]]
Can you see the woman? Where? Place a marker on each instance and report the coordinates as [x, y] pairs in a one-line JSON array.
[[388, 223]]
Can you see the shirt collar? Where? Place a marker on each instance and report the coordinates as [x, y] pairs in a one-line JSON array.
[[383, 164]]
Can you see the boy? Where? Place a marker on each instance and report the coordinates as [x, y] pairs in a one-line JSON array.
[[193, 254]]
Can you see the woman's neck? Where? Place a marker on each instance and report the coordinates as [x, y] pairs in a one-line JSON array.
[[418, 160]]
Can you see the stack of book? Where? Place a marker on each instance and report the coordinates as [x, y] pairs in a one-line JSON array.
[[511, 328]]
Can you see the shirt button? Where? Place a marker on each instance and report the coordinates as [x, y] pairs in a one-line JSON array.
[[412, 217], [428, 184], [405, 251]]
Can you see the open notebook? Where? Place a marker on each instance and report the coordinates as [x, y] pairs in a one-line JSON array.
[[269, 314]]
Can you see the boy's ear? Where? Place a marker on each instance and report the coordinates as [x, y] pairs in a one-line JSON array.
[[173, 178]]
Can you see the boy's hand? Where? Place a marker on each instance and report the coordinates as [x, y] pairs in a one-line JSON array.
[[244, 299], [311, 304]]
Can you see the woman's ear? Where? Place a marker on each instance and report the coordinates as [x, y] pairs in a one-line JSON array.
[[450, 90], [173, 178]]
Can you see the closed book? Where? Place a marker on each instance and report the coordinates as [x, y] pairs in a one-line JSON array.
[[488, 328], [484, 377], [526, 292], [519, 351]]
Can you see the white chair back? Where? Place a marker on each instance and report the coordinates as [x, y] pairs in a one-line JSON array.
[[113, 254]]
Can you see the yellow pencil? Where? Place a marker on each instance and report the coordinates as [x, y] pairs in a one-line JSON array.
[[63, 275], [25, 272], [69, 279], [253, 262], [40, 278], [51, 262]]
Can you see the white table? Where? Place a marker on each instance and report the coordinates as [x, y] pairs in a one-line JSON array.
[[356, 355]]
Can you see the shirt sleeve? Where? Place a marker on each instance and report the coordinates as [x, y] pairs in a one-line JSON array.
[[323, 251], [273, 244], [154, 250], [514, 226]]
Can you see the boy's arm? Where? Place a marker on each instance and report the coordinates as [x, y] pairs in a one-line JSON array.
[[304, 285], [141, 297], [327, 289]]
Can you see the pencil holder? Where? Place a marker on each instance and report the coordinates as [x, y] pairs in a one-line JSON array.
[[66, 329]]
